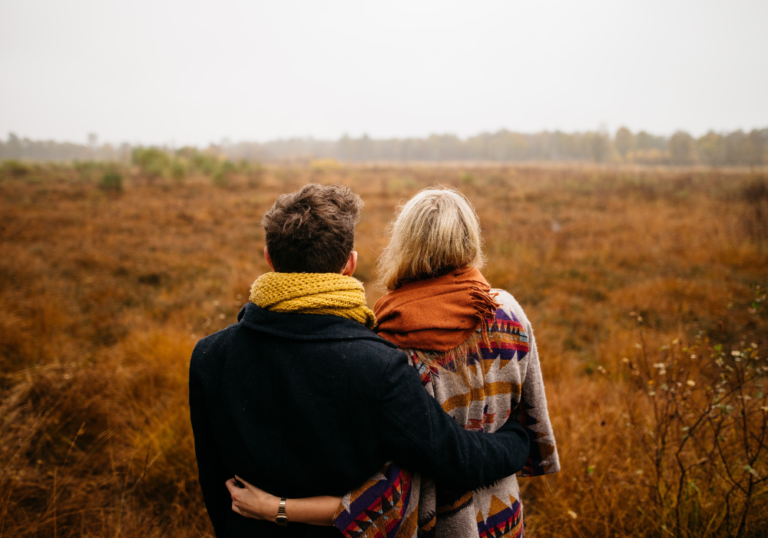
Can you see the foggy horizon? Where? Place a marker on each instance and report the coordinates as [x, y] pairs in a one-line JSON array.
[[175, 73], [229, 141]]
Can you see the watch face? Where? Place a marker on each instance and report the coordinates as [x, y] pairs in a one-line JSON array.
[[282, 521]]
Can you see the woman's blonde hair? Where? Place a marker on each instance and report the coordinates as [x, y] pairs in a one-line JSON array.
[[434, 232]]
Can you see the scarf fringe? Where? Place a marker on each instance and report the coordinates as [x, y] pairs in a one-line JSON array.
[[485, 307], [437, 314]]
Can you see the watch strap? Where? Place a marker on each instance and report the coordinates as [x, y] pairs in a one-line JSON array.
[[281, 519]]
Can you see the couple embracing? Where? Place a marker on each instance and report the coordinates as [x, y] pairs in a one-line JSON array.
[[315, 416]]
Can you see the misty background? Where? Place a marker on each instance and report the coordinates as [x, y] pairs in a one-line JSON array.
[[434, 81]]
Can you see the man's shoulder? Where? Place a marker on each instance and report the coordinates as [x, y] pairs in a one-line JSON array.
[[217, 338], [360, 345], [374, 351], [209, 347], [292, 326]]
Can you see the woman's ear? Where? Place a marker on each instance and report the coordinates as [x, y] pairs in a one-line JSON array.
[[351, 264], [269, 260]]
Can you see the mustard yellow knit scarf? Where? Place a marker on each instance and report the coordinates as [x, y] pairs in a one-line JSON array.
[[313, 293]]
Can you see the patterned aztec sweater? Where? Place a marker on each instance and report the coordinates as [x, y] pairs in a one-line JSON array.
[[398, 503]]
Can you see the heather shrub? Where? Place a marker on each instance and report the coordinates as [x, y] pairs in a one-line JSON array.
[[112, 180]]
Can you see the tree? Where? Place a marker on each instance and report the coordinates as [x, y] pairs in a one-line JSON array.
[[643, 141], [601, 147], [153, 162], [711, 148], [682, 148], [625, 142], [755, 147], [736, 152]]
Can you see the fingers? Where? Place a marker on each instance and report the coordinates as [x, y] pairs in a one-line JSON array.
[[231, 486], [246, 484], [251, 488]]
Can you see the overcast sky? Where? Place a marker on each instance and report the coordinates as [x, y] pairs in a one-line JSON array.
[[167, 71]]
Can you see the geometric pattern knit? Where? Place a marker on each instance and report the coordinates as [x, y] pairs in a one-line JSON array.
[[505, 384]]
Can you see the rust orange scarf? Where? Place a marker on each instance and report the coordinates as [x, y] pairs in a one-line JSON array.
[[436, 314]]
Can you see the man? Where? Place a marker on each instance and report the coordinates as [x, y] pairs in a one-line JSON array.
[[302, 398]]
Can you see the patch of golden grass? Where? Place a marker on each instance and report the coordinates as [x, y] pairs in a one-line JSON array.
[[103, 297]]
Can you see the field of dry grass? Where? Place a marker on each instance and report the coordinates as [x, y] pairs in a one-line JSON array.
[[646, 290]]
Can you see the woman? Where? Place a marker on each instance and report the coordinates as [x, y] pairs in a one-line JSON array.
[[474, 350]]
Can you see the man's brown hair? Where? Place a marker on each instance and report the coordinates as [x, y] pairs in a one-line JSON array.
[[312, 230]]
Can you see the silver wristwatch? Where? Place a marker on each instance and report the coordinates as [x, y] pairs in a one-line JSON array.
[[281, 519]]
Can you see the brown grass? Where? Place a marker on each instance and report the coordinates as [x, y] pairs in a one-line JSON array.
[[625, 274]]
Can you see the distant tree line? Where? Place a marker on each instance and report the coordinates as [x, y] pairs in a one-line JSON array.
[[49, 150], [737, 148]]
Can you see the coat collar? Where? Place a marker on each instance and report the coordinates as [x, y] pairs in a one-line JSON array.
[[305, 326]]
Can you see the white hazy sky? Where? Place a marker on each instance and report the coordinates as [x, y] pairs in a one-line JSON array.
[[186, 71]]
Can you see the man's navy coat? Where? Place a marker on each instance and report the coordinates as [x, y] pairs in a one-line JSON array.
[[302, 405]]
